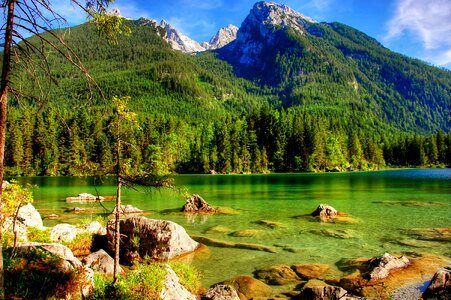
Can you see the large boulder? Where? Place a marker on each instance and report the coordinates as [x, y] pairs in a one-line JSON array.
[[383, 266], [440, 286], [64, 232], [310, 271], [172, 289], [95, 228], [277, 275], [101, 262], [222, 292], [248, 287], [157, 239], [316, 290], [71, 279], [29, 216], [325, 212], [196, 204]]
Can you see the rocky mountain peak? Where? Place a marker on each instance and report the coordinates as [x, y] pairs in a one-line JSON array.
[[223, 37], [178, 40], [271, 13]]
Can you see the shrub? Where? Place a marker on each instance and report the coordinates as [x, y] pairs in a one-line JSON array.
[[145, 281], [37, 275]]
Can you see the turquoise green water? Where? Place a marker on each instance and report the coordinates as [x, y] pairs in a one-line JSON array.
[[385, 205]]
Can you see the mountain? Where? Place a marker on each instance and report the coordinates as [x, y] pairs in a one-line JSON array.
[[223, 37], [331, 66], [178, 40]]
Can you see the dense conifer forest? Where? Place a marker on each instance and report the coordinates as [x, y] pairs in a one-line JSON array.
[[197, 116]]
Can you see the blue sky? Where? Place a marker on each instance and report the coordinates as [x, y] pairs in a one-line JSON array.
[[416, 28]]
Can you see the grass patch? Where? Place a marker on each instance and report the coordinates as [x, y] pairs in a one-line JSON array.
[[81, 244], [38, 235], [145, 281]]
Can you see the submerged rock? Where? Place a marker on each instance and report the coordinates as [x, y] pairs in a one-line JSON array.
[[247, 233], [311, 271], [277, 275], [225, 244], [431, 234], [218, 229], [158, 239], [270, 224], [222, 292], [196, 204], [248, 287]]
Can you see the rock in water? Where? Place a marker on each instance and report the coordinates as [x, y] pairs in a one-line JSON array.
[[222, 292], [196, 204], [158, 239], [385, 264], [440, 286], [249, 287], [325, 212], [322, 292]]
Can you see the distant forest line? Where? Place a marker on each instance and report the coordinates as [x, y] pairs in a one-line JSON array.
[[79, 142]]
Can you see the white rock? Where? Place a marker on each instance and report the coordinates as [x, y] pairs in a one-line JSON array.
[[172, 289]]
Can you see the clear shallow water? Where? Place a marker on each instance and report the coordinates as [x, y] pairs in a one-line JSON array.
[[385, 204]]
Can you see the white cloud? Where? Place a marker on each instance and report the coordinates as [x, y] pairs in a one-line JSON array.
[[199, 30], [427, 20]]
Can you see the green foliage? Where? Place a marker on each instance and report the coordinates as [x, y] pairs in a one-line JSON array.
[[189, 277], [36, 274], [38, 235], [145, 281]]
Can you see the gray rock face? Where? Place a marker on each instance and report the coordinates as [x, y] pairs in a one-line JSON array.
[[223, 37], [257, 30], [64, 232], [158, 239], [172, 289], [101, 262], [384, 265], [29, 216], [440, 286], [222, 292], [178, 40], [95, 228], [196, 204]]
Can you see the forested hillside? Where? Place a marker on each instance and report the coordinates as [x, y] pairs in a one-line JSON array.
[[329, 67], [196, 115]]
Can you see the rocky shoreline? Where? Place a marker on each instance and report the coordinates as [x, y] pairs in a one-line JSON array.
[[385, 277]]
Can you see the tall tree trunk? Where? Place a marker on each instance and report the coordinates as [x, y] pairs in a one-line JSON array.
[[117, 232], [6, 71]]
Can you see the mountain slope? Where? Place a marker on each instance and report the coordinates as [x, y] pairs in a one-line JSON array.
[[322, 65]]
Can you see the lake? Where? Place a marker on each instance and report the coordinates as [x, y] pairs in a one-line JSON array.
[[383, 207]]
